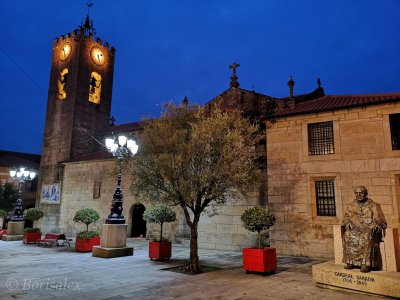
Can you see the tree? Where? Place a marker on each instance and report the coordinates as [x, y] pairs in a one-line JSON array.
[[159, 214], [8, 196], [195, 158], [256, 219], [33, 214], [86, 216]]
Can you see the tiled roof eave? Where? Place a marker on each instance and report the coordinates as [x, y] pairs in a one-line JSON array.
[[325, 109]]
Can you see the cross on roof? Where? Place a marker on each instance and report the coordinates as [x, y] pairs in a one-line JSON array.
[[234, 83], [234, 66]]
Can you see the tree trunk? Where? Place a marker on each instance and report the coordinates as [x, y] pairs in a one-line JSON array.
[[161, 232], [194, 253]]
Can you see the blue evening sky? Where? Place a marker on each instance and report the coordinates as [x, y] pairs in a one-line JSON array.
[[167, 49]]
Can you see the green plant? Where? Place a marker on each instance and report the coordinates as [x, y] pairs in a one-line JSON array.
[[3, 214], [160, 214], [8, 196], [31, 230], [33, 214], [196, 159], [86, 216], [88, 234], [256, 219]]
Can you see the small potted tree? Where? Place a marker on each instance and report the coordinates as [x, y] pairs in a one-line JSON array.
[[32, 235], [261, 259], [3, 216], [85, 240], [159, 214]]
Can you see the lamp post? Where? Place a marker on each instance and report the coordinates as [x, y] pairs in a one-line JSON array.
[[119, 146], [21, 175], [113, 235], [15, 227]]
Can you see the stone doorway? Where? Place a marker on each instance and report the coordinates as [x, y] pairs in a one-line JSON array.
[[138, 224]]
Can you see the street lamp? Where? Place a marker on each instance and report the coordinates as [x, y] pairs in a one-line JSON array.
[[21, 175], [119, 146]]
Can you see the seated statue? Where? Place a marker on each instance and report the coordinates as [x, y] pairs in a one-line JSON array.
[[364, 224]]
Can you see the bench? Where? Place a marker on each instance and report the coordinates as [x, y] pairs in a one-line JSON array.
[[54, 238]]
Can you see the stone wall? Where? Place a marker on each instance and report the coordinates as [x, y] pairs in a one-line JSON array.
[[221, 231], [363, 156]]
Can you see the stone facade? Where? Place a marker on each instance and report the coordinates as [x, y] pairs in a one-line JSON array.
[[80, 179], [363, 156]]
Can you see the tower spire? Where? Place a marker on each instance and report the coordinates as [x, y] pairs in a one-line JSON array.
[[87, 23], [89, 4]]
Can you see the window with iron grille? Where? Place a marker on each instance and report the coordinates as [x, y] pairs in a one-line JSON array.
[[320, 138], [325, 198], [395, 130]]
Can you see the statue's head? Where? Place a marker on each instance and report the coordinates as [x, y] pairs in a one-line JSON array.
[[361, 193]]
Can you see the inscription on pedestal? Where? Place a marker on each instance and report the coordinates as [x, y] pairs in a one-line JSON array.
[[358, 280], [331, 275]]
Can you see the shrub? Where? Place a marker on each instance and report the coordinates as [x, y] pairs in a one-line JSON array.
[[160, 214], [32, 214], [86, 216], [88, 234], [256, 219], [31, 230], [3, 214]]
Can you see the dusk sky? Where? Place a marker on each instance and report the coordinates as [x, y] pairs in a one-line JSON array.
[[166, 50]]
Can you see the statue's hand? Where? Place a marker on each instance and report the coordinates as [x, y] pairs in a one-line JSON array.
[[349, 226]]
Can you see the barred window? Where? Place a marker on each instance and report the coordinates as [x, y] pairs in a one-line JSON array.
[[325, 198], [395, 130], [320, 138]]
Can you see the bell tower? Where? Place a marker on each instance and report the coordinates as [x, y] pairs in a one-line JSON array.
[[78, 105]]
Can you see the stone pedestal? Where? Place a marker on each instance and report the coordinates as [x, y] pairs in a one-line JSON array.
[[113, 242], [389, 248], [334, 276], [15, 231]]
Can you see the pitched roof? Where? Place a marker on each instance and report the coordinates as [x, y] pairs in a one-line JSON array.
[[17, 159], [329, 103], [128, 127], [100, 155]]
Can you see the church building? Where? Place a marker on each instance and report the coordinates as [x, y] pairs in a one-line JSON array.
[[316, 149]]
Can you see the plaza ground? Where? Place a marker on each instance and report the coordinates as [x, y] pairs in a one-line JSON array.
[[32, 272]]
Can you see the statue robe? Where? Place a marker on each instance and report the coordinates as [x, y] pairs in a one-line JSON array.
[[364, 227]]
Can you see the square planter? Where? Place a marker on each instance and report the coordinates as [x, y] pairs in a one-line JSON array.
[[259, 260], [31, 237], [159, 250], [86, 245]]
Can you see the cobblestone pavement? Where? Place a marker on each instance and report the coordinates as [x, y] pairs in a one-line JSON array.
[[32, 272]]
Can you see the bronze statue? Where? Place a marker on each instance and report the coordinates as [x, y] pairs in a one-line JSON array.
[[364, 224]]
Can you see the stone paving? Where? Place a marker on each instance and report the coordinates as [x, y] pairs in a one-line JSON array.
[[32, 272]]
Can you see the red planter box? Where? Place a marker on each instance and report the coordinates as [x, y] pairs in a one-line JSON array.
[[159, 250], [86, 245], [259, 260], [31, 237]]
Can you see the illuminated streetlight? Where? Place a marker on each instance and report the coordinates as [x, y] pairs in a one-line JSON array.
[[22, 175], [119, 146]]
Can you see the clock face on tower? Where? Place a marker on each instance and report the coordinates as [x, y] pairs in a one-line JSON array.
[[97, 56], [65, 51]]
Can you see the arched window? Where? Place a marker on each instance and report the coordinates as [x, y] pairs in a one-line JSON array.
[[62, 80], [95, 88]]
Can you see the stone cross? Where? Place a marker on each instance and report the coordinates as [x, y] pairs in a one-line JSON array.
[[234, 66]]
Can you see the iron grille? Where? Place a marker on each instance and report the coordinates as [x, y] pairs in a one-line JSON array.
[[325, 198], [320, 138]]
